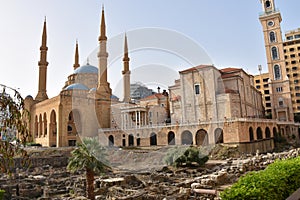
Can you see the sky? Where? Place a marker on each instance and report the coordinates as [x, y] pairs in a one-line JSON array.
[[227, 32]]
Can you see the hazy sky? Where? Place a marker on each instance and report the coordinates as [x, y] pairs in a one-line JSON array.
[[228, 30]]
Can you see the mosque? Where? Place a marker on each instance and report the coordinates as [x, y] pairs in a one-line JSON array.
[[224, 107]]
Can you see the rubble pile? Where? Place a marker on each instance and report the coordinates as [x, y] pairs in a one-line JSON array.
[[54, 182]]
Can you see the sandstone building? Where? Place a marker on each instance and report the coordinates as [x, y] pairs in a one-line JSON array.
[[205, 106], [280, 86]]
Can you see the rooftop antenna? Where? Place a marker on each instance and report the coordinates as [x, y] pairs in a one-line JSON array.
[[87, 61]]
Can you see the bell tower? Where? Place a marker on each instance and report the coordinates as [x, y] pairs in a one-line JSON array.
[[270, 19]]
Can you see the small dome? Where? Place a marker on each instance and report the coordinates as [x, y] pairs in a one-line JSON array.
[[76, 86], [114, 97], [86, 69], [28, 97]]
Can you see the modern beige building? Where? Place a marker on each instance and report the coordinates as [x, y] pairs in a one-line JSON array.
[[291, 50], [262, 84]]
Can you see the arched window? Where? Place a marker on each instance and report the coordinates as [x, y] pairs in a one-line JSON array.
[[251, 135], [274, 52], [277, 72], [272, 36], [268, 4]]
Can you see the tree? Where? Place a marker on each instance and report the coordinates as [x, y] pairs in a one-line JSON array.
[[89, 156], [178, 156], [13, 129]]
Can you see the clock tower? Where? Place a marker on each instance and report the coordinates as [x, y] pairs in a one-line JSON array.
[[281, 103]]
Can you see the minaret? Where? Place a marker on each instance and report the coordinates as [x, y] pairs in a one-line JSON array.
[[103, 89], [126, 73], [279, 83], [76, 63], [42, 93], [103, 93]]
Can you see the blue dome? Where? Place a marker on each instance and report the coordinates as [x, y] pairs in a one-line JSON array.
[[114, 97], [86, 69], [76, 86]]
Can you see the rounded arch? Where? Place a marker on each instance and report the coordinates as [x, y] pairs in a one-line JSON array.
[[272, 36], [111, 140], [282, 132], [74, 123], [259, 134], [171, 138], [277, 72], [268, 132], [36, 126], [274, 53], [275, 133], [53, 128], [45, 124], [40, 125], [219, 138], [186, 138], [153, 139], [268, 4], [201, 137], [251, 135], [130, 140]]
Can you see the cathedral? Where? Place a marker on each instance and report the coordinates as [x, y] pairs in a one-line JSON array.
[[205, 106]]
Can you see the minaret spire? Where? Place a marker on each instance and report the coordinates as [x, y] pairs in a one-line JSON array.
[[126, 72], [102, 27], [42, 93], [103, 93], [76, 64]]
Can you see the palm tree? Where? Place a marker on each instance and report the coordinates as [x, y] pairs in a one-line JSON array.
[[89, 156]]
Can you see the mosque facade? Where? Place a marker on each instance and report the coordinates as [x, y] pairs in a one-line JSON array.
[[205, 106]]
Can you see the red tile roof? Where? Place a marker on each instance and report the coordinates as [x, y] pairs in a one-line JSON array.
[[195, 68], [154, 96]]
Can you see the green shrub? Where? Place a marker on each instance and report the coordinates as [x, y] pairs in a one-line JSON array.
[[2, 194], [180, 155], [278, 181]]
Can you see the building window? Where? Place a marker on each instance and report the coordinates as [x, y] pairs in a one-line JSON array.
[[266, 85], [268, 104], [296, 81], [197, 89], [268, 4], [289, 37], [267, 98], [265, 80], [277, 72], [280, 102], [258, 87], [267, 92], [297, 36], [297, 88], [257, 81], [274, 52], [272, 37], [292, 49], [294, 68], [279, 89]]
